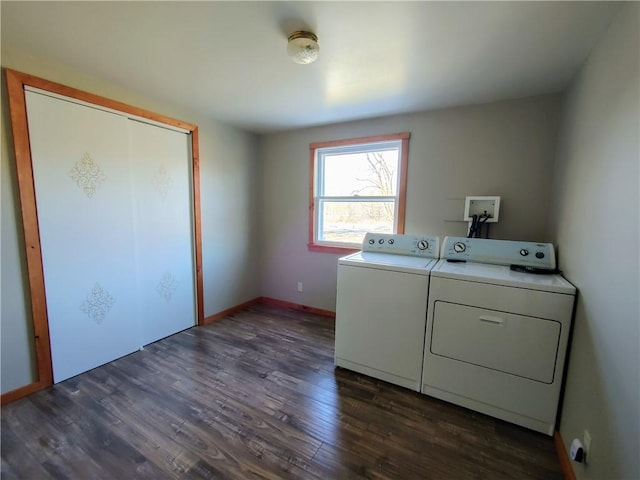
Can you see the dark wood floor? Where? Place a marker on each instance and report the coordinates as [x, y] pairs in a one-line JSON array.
[[255, 395]]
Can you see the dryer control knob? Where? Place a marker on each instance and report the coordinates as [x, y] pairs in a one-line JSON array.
[[371, 241], [459, 247], [524, 252], [539, 255], [423, 245]]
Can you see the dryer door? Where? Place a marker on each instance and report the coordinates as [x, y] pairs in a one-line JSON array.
[[515, 344]]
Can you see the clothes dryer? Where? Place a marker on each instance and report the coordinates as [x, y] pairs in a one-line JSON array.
[[497, 333]]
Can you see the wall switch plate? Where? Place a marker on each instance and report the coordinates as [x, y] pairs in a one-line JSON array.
[[482, 205], [299, 286]]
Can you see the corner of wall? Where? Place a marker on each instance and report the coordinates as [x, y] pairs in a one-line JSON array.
[[596, 198]]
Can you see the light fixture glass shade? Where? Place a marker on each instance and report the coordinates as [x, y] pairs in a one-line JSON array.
[[303, 47]]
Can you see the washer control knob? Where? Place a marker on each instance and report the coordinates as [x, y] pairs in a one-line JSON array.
[[371, 241], [459, 247], [391, 241], [423, 245], [539, 254], [524, 252], [381, 241]]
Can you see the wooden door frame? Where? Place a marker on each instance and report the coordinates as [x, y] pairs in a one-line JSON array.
[[16, 83]]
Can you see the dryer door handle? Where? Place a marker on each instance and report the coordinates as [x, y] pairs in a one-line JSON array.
[[491, 319]]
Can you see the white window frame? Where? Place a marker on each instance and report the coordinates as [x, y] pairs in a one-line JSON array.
[[317, 197]]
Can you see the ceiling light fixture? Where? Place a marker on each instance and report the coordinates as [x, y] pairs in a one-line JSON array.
[[303, 47]]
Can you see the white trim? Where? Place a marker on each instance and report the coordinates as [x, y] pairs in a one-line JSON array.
[[381, 146], [320, 199], [387, 198]]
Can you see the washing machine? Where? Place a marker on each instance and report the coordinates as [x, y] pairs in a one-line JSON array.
[[381, 307], [498, 324]]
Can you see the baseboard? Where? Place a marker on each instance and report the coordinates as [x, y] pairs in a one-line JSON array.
[[34, 387], [21, 392], [230, 311], [563, 457], [296, 306]]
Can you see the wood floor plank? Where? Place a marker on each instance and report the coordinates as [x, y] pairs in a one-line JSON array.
[[214, 435], [256, 396], [228, 409], [14, 456], [49, 441], [157, 448], [94, 437]]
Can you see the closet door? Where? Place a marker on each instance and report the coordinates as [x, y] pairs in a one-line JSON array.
[[161, 175], [80, 158]]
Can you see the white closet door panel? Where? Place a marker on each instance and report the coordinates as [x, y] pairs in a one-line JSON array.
[[161, 166], [82, 179]]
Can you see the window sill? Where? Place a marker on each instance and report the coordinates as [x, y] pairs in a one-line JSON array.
[[314, 247]]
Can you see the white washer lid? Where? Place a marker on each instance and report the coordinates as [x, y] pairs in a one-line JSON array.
[[389, 261], [502, 275]]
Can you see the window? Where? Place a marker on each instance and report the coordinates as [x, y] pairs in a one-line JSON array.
[[357, 186]]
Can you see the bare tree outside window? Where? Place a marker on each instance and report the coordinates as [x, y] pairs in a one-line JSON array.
[[356, 190], [381, 180]]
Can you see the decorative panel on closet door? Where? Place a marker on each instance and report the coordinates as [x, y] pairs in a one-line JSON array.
[[161, 178], [115, 217], [80, 158]]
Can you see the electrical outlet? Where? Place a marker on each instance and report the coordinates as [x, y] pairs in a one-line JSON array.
[[586, 441], [299, 286]]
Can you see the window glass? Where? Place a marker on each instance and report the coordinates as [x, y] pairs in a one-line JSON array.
[[349, 221], [364, 174], [357, 188]]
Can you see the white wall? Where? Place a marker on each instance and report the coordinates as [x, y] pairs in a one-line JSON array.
[[228, 186], [596, 227], [504, 148]]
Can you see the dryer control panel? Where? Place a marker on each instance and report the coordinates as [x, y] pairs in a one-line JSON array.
[[413, 245], [499, 252]]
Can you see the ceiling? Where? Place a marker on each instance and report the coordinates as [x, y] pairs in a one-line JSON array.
[[227, 60]]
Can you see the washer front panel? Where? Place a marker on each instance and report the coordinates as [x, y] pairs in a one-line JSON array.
[[380, 322]]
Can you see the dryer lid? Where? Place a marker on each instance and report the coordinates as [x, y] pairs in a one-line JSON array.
[[502, 275]]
